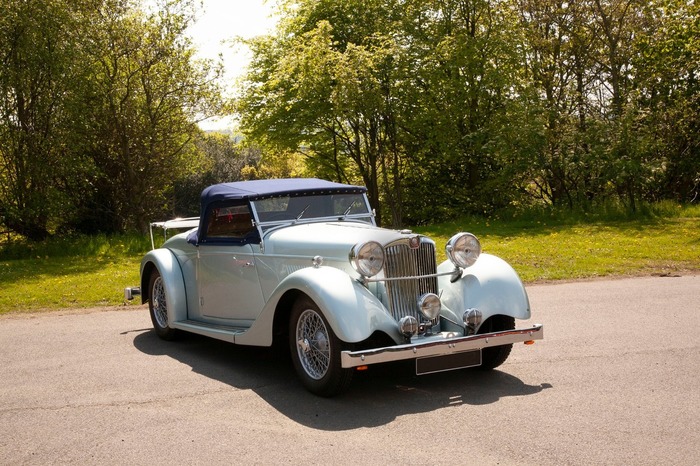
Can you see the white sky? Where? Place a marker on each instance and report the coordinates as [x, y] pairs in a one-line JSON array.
[[223, 20]]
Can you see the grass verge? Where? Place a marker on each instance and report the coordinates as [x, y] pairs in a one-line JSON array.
[[544, 251], [69, 272]]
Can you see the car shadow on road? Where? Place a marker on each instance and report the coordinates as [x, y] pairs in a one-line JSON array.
[[376, 397]]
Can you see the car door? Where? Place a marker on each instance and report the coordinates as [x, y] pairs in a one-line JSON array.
[[228, 284]]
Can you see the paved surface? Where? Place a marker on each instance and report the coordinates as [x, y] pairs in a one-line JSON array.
[[616, 381]]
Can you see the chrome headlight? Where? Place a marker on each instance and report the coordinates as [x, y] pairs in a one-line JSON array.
[[367, 258], [429, 305], [463, 249]]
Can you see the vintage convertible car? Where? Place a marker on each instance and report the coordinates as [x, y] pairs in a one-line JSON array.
[[301, 261]]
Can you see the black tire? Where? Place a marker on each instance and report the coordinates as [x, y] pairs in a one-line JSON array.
[[494, 356], [315, 350], [158, 307]]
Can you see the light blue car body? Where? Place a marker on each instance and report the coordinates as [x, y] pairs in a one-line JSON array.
[[353, 309]]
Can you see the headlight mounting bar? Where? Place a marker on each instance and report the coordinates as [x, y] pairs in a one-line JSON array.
[[414, 277]]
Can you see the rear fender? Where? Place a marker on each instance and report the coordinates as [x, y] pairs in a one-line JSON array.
[[171, 273], [351, 310], [490, 285]]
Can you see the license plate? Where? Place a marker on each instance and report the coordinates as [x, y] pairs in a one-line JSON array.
[[448, 362]]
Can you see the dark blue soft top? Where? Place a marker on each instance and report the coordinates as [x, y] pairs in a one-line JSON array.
[[261, 189]]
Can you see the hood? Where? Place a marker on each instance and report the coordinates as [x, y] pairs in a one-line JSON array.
[[330, 240]]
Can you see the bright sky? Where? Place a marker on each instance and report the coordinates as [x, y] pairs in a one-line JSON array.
[[223, 20]]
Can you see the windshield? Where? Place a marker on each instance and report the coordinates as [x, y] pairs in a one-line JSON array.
[[286, 209]]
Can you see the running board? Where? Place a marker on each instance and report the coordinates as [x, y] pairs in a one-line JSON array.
[[220, 332]]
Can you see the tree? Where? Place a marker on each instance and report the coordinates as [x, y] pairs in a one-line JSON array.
[[385, 92], [464, 70], [667, 60], [446, 107], [39, 59], [579, 60], [98, 108], [224, 160], [324, 86], [557, 60], [148, 91]]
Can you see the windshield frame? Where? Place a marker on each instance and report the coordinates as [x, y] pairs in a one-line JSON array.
[[298, 216]]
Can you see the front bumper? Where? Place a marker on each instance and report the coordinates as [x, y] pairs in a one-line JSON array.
[[440, 346]]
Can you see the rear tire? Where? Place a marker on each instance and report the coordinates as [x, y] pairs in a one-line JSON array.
[[494, 356], [316, 350], [158, 307]]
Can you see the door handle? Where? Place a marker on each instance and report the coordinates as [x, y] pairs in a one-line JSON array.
[[243, 262]]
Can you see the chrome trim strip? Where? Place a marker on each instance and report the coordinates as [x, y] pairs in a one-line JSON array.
[[440, 347]]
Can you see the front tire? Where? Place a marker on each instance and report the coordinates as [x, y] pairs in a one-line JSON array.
[[158, 307], [316, 351], [494, 356]]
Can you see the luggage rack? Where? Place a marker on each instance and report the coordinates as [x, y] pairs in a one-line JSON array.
[[174, 224]]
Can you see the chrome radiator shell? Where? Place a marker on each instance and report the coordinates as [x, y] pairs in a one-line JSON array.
[[410, 273]]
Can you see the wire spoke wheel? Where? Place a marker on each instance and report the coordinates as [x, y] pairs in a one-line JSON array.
[[316, 350], [313, 345], [158, 307]]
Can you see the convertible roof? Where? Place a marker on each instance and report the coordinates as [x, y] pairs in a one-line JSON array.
[[261, 189]]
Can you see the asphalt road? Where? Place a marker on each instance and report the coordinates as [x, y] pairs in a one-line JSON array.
[[615, 381]]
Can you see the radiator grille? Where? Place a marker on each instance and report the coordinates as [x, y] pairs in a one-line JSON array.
[[402, 261]]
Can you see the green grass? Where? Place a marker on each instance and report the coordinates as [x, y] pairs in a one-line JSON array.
[[663, 239], [69, 272], [544, 251]]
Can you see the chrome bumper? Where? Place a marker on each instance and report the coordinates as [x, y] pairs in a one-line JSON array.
[[440, 347]]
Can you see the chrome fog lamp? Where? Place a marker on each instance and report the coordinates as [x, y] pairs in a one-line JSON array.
[[367, 258], [408, 326], [429, 305], [463, 249], [472, 320]]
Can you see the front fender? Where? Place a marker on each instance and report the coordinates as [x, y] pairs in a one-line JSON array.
[[350, 309], [171, 273], [490, 285]]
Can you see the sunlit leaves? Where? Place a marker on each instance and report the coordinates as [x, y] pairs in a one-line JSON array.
[[98, 105]]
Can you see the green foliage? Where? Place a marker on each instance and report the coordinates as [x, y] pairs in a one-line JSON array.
[[38, 68], [668, 59], [441, 108], [147, 92], [98, 110], [332, 66], [466, 107]]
